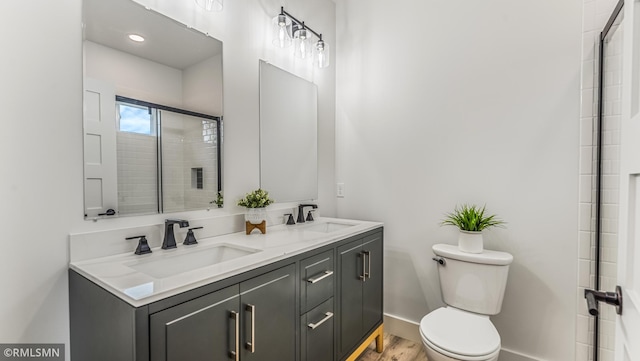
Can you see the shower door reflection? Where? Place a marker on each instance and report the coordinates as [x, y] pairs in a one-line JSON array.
[[190, 178], [607, 169], [168, 159]]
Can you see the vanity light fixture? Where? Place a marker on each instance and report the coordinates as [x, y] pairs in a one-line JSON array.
[[288, 30], [137, 38], [210, 5]]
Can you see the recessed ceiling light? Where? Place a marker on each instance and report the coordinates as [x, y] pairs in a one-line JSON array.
[[136, 37]]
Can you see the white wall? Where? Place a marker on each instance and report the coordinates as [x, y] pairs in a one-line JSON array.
[[41, 157], [132, 76], [197, 88], [41, 139], [201, 83], [444, 102]]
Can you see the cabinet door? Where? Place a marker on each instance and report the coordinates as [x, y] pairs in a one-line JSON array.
[[202, 329], [316, 330], [269, 317], [372, 285], [351, 273]]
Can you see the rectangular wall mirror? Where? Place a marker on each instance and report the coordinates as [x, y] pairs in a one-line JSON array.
[[152, 117], [288, 135]]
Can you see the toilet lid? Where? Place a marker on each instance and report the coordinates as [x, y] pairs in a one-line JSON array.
[[460, 332]]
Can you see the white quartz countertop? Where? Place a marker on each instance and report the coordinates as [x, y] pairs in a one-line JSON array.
[[143, 279]]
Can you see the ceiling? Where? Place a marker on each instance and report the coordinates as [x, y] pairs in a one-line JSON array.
[[167, 41]]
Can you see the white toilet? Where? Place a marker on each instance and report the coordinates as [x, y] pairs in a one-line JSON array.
[[473, 287]]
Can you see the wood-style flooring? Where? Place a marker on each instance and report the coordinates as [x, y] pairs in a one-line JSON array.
[[395, 349]]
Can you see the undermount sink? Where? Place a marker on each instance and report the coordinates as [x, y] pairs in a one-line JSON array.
[[175, 264], [328, 227]]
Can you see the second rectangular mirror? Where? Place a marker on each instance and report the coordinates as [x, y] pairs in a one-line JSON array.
[[288, 135]]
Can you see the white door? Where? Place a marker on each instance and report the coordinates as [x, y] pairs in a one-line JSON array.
[[100, 165], [628, 323]]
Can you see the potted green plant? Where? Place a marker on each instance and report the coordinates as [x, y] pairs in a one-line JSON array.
[[471, 220], [256, 202]]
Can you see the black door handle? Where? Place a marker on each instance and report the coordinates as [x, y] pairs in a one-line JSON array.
[[109, 212], [611, 298]]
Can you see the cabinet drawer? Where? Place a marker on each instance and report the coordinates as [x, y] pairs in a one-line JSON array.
[[317, 280], [317, 333]]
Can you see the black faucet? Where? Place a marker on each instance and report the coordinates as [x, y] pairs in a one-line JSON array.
[[169, 237], [301, 211]]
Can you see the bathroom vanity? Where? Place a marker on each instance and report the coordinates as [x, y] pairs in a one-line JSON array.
[[305, 292]]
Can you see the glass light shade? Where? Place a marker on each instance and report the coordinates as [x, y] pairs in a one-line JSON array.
[[303, 47], [281, 31], [321, 54], [210, 5]]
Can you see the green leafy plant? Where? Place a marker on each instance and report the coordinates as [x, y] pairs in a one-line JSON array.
[[256, 199], [219, 201], [471, 218]]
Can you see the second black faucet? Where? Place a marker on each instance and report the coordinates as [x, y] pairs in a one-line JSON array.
[[301, 211], [169, 240]]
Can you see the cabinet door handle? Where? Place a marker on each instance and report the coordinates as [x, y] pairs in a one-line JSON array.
[[251, 345], [327, 316], [324, 275], [235, 354], [363, 276], [368, 258]]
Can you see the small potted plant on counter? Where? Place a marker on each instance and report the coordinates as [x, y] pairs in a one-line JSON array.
[[471, 220], [256, 214]]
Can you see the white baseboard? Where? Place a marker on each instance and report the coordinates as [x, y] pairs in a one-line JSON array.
[[508, 355], [399, 326], [410, 330]]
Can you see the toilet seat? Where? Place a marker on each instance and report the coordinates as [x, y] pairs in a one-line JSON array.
[[460, 335]]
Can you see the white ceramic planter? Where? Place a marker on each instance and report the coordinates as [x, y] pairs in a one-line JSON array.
[[255, 215], [470, 242]]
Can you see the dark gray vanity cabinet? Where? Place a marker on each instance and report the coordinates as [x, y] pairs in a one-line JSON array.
[[316, 306], [360, 291], [253, 320]]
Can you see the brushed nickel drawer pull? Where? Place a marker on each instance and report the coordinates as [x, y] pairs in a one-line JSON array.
[[235, 354], [363, 276], [251, 345], [324, 274], [328, 315], [368, 258]]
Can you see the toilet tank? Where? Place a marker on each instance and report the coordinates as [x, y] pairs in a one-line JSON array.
[[473, 282]]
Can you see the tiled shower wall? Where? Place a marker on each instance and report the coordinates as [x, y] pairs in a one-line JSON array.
[[188, 142], [201, 150], [137, 173], [595, 15]]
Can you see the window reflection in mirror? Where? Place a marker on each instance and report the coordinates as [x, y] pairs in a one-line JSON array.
[[132, 118], [160, 153]]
